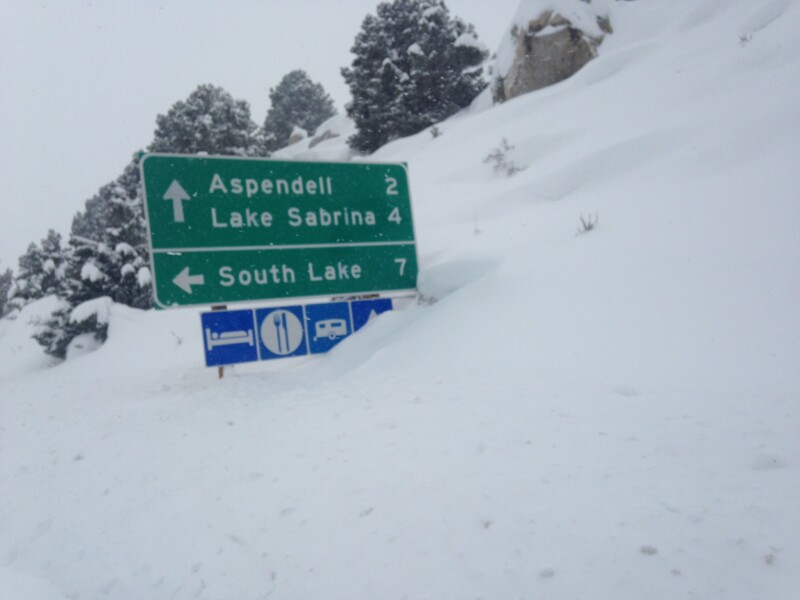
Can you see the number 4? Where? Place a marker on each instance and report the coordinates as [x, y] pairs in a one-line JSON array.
[[394, 216]]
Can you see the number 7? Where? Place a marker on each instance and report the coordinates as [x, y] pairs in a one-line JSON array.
[[402, 263]]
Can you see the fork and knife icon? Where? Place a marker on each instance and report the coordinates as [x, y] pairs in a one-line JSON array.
[[282, 332]]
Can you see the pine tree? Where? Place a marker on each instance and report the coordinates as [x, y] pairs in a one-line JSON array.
[[109, 241], [40, 272], [6, 281], [108, 257], [209, 121], [415, 65], [296, 102]]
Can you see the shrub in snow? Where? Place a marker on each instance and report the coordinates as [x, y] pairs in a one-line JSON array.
[[414, 66], [587, 224], [296, 102], [82, 328], [500, 160]]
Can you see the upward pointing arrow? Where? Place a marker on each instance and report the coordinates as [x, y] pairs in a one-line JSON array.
[[177, 194]]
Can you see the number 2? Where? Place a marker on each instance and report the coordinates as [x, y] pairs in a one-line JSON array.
[[391, 186]]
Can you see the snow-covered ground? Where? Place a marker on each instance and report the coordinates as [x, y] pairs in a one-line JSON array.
[[614, 414]]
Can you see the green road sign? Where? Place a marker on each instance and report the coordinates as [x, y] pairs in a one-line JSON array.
[[227, 230]]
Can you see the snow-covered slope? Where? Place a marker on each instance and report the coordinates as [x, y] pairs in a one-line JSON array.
[[613, 414]]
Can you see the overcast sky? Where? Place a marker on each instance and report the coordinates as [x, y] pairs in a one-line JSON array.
[[81, 82]]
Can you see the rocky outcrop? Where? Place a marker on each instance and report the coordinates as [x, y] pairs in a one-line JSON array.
[[326, 135], [298, 134], [550, 48]]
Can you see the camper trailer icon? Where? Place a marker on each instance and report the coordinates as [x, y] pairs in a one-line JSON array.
[[330, 328]]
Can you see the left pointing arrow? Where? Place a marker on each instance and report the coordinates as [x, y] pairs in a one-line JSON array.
[[185, 281], [177, 195]]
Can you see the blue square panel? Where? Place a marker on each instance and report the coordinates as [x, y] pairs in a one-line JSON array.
[[229, 337], [327, 325], [281, 332], [366, 310]]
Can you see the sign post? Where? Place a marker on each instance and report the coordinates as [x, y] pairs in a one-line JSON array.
[[226, 230]]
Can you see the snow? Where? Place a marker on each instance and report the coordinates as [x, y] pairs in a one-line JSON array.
[[470, 41], [90, 272], [415, 49], [123, 248], [99, 308], [605, 415], [20, 355], [143, 276], [48, 266], [298, 133], [333, 147]]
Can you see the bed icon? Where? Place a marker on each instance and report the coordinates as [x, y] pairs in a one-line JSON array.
[[229, 337], [226, 338]]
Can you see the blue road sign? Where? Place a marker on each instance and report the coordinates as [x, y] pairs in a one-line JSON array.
[[327, 325], [281, 332], [238, 336], [365, 310], [229, 337]]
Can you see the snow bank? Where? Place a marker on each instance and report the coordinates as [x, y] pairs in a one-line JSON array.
[[20, 354], [328, 144], [99, 308]]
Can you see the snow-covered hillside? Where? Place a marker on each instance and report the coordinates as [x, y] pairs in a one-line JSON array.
[[611, 414]]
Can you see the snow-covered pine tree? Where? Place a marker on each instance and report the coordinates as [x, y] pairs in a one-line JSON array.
[[414, 66], [108, 255], [111, 235], [296, 102], [40, 272], [6, 281], [210, 121], [108, 258]]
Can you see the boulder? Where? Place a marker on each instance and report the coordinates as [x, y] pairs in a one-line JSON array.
[[550, 46], [326, 135], [298, 134]]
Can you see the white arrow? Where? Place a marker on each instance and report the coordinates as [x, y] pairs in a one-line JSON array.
[[177, 194], [185, 281]]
